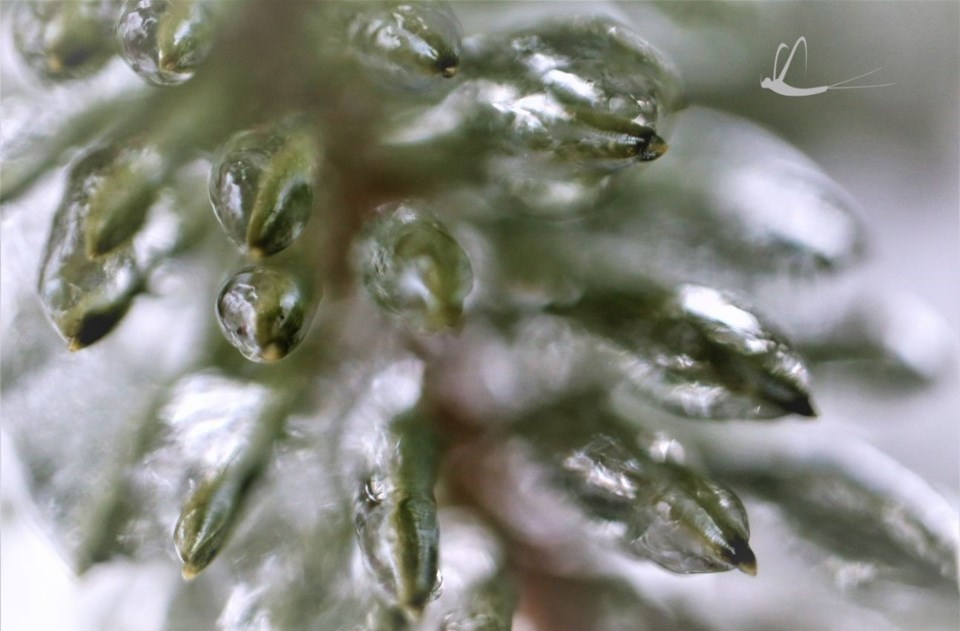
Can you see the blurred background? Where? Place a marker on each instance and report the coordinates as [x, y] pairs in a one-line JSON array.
[[895, 149]]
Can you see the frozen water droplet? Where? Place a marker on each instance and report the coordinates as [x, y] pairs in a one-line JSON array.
[[119, 197], [398, 534], [205, 522], [86, 297], [695, 352], [589, 90], [165, 41], [264, 313], [408, 45], [262, 187], [64, 39], [660, 511], [216, 437], [414, 268]]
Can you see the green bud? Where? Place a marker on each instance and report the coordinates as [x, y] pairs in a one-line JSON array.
[[64, 39], [396, 515], [407, 44], [207, 519], [86, 296], [262, 187], [695, 352], [264, 313], [414, 268], [582, 92], [120, 195], [165, 41], [662, 510]]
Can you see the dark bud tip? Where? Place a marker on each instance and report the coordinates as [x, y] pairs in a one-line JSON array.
[[652, 147], [800, 405], [743, 557]]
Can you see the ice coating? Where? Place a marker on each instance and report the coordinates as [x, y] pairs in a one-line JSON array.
[[406, 45], [694, 351], [265, 313], [413, 267], [165, 41], [262, 187], [653, 508]]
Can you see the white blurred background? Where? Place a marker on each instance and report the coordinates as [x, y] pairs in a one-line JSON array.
[[894, 148]]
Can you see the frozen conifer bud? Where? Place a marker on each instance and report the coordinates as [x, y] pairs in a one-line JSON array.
[[405, 44], [396, 514], [64, 39], [696, 352], [84, 295], [653, 508], [414, 268], [262, 187], [264, 313], [165, 41]]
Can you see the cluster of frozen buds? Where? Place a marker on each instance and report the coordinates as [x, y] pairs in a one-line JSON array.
[[378, 149]]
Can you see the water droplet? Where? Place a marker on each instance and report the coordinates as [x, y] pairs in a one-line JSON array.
[[660, 511], [205, 523], [64, 39], [165, 41], [414, 268], [264, 313], [85, 297], [120, 194], [695, 352], [398, 535], [408, 45], [587, 90], [221, 436], [262, 187]]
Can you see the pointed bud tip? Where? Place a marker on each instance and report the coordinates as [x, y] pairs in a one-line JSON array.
[[800, 405], [413, 611], [74, 345], [272, 353], [743, 557], [654, 148], [189, 572]]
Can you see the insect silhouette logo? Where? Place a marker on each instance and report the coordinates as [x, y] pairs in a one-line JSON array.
[[777, 82]]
